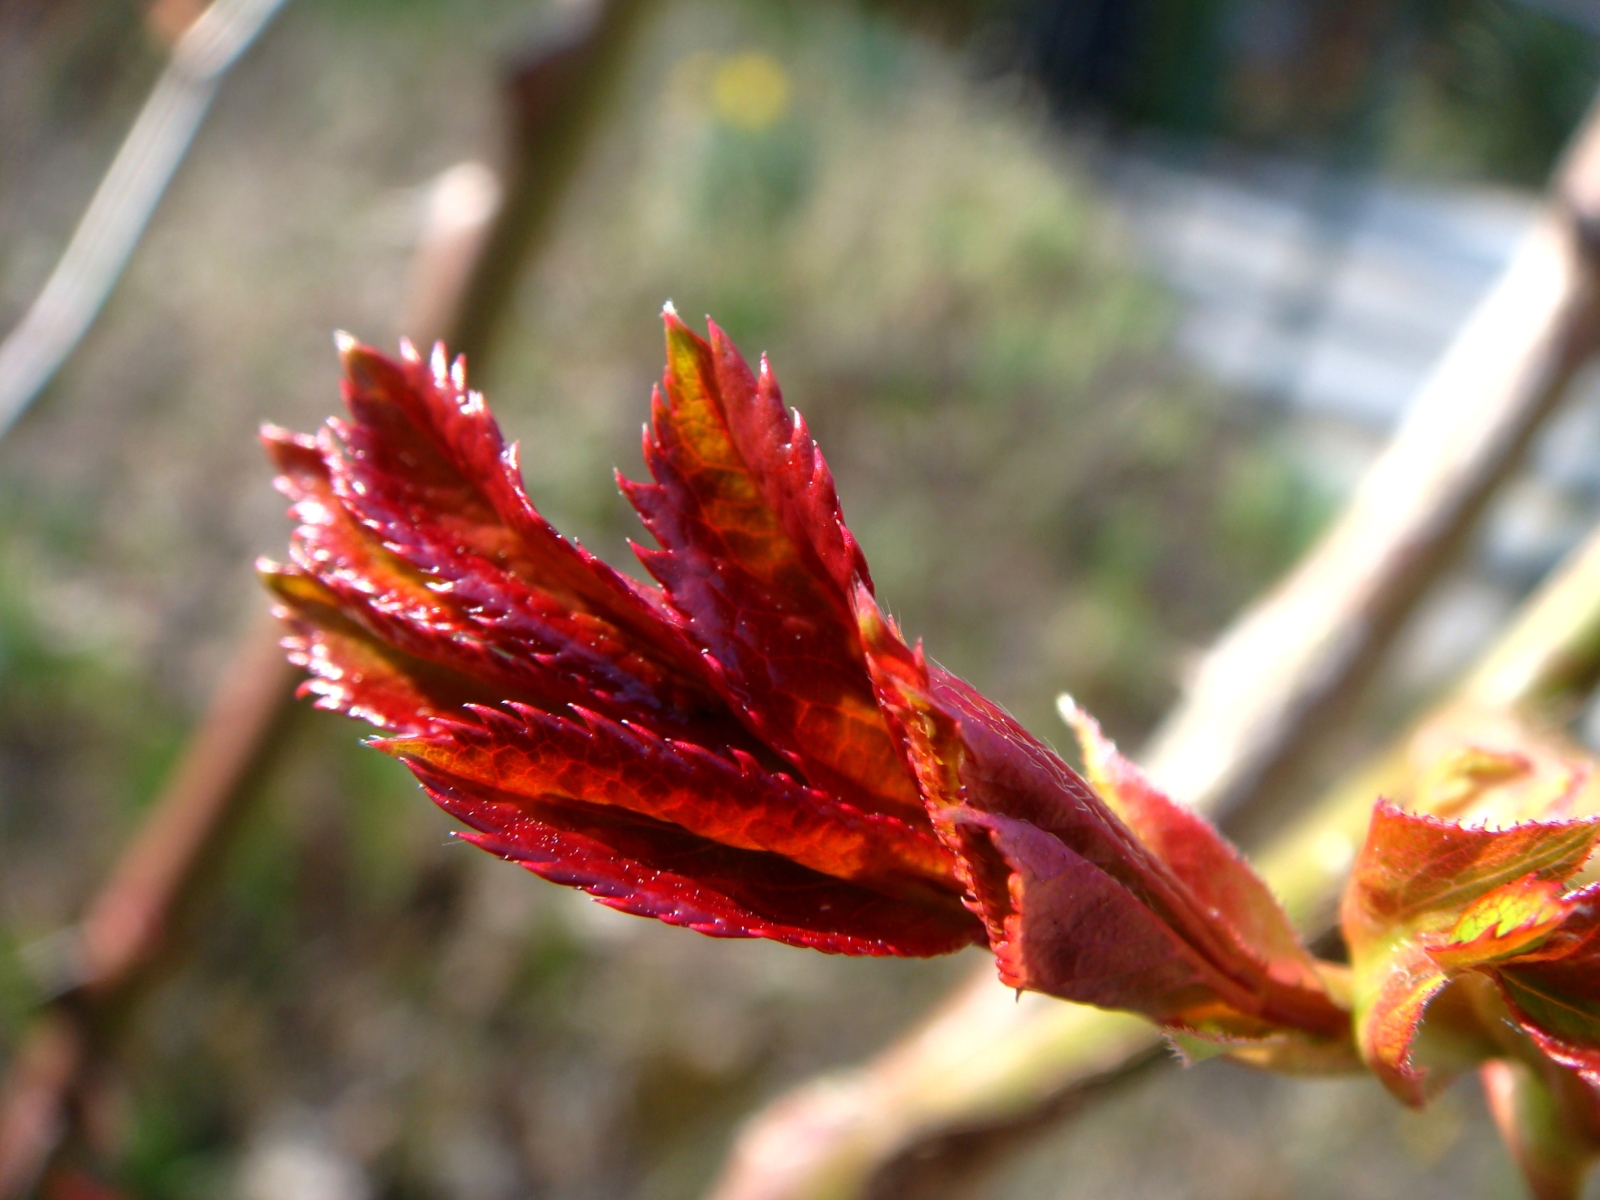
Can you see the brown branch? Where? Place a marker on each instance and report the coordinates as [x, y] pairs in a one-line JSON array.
[[128, 923], [556, 95], [127, 926], [33, 1116], [985, 1061]]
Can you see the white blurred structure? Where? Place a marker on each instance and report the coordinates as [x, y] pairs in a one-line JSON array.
[[1328, 300], [1334, 295], [295, 1159]]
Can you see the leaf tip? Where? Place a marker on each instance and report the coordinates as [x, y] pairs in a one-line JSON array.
[[1068, 710], [1099, 753], [344, 342]]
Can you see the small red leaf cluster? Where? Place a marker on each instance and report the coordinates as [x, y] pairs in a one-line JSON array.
[[750, 748], [1435, 901]]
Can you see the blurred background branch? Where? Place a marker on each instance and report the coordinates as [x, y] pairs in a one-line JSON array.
[[37, 345], [1281, 676]]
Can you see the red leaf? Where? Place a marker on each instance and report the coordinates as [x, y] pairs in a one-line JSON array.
[[654, 869], [426, 592], [753, 751], [426, 456], [756, 557], [416, 552], [1216, 874], [352, 670], [727, 799]]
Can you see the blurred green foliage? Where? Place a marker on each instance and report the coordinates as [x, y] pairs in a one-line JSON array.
[[1505, 85]]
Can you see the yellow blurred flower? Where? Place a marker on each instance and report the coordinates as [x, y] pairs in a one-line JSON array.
[[750, 91]]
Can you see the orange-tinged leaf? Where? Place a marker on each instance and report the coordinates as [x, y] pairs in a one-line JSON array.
[[353, 671], [1413, 864], [756, 558], [1512, 919], [1428, 895], [1393, 993]]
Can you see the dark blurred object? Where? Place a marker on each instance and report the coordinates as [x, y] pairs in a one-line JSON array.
[[1320, 74], [75, 1185]]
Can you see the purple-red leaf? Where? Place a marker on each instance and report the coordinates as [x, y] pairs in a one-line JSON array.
[[1215, 873], [1071, 929], [1075, 904]]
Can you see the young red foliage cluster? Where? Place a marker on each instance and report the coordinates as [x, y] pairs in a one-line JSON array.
[[1456, 893], [750, 749]]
